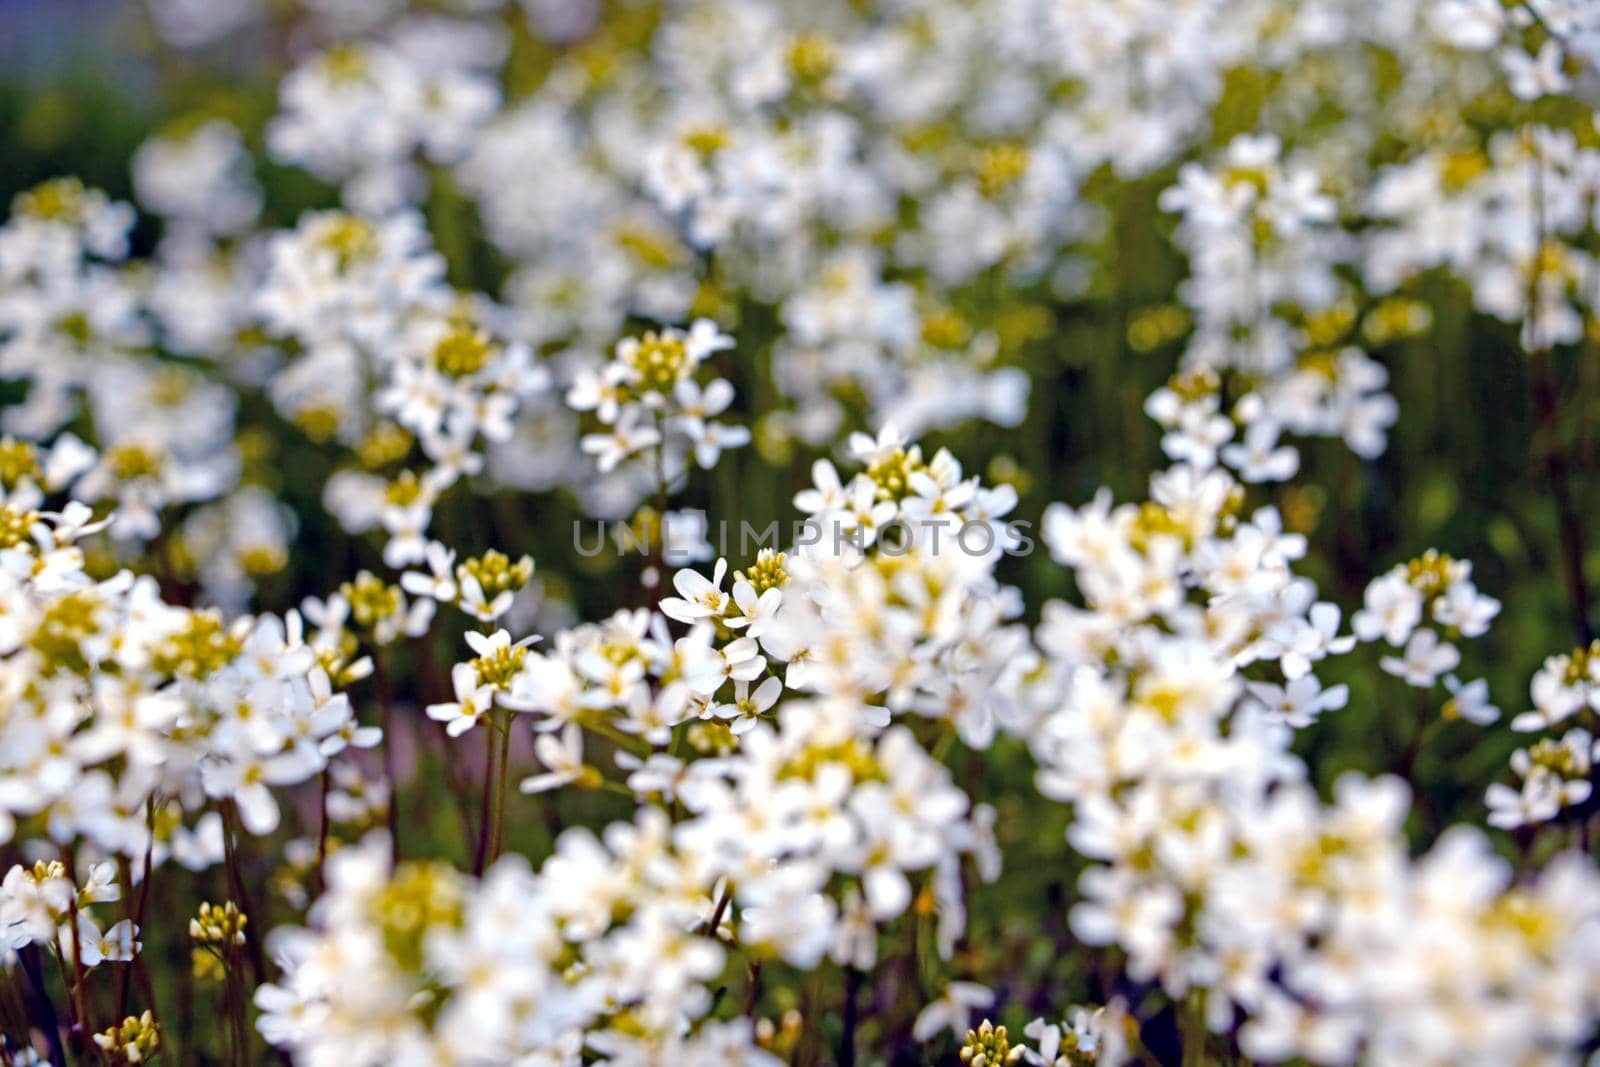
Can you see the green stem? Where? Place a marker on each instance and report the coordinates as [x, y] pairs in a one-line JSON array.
[[498, 827], [380, 681], [125, 979], [241, 895], [486, 811], [82, 1027], [1194, 1030], [322, 826], [710, 927], [637, 745]]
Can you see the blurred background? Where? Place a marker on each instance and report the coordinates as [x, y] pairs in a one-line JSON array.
[[83, 82]]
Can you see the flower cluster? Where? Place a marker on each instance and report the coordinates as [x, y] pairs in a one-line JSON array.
[[1410, 607], [361, 299], [1219, 871], [651, 403], [611, 944], [365, 115], [890, 785], [121, 702], [41, 905]]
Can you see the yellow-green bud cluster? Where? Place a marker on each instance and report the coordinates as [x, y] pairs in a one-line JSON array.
[[349, 238], [893, 472], [659, 362], [66, 624], [769, 571], [19, 461], [1581, 662], [496, 573], [204, 646], [463, 352], [220, 925], [1000, 167], [1431, 573], [131, 462], [1557, 758], [420, 897], [372, 600], [1156, 326], [386, 444], [136, 1040], [500, 666], [989, 1046], [16, 525], [57, 200], [404, 491], [811, 57], [945, 329]]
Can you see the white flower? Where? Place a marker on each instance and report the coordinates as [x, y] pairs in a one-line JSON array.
[[439, 583], [546, 684], [631, 435], [1465, 609], [562, 754], [245, 778], [746, 708], [1391, 609], [1313, 640], [695, 409], [756, 612], [1469, 701], [952, 1011], [863, 514], [1425, 659], [1537, 801], [1260, 458], [118, 944], [1531, 77], [828, 494], [704, 339], [1300, 701], [699, 597], [472, 702]]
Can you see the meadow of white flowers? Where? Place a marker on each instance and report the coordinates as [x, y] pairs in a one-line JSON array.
[[307, 757]]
